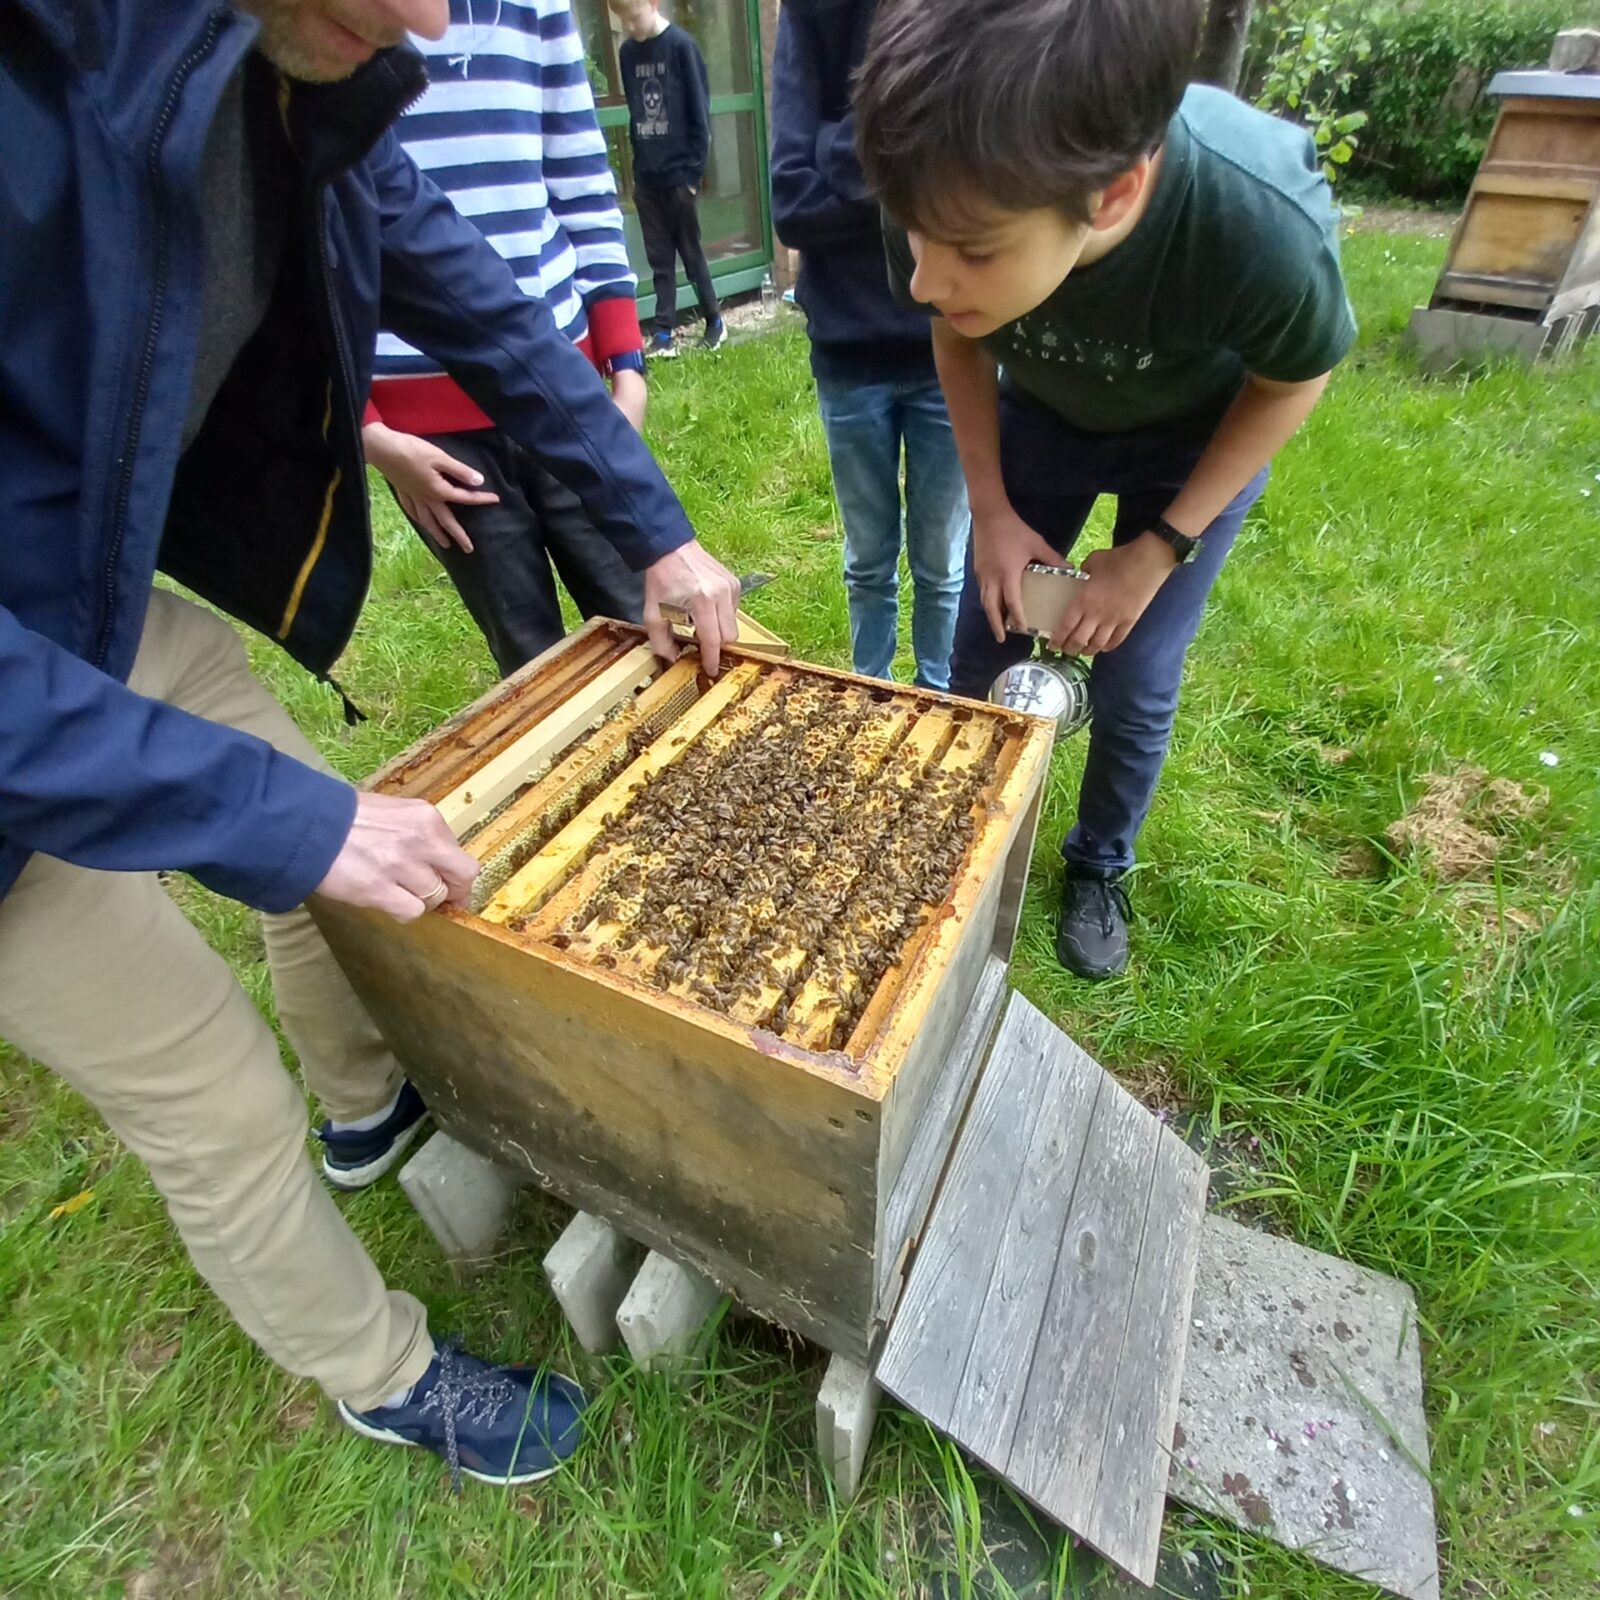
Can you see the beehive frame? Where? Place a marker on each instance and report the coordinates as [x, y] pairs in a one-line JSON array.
[[766, 1161]]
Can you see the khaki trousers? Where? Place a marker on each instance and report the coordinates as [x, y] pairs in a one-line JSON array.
[[104, 980]]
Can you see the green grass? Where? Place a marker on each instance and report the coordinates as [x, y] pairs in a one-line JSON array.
[[1419, 1060]]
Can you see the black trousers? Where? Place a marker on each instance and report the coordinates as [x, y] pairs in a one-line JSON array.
[[538, 529], [670, 221]]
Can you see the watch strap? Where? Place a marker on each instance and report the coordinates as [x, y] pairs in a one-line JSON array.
[[1182, 545], [626, 361]]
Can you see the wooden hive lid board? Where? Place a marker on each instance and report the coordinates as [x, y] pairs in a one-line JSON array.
[[1045, 1317]]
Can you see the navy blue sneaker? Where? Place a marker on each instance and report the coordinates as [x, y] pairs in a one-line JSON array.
[[661, 345], [496, 1424], [352, 1159], [714, 335]]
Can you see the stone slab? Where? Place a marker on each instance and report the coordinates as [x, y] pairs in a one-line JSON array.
[[590, 1268], [663, 1312], [1300, 1415], [463, 1198], [847, 1407]]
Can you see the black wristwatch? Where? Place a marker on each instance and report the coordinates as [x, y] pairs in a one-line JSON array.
[[1182, 545], [625, 361]]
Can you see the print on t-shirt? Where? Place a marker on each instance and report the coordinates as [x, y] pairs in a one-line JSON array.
[[653, 98]]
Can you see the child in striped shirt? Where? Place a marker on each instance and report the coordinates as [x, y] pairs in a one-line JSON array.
[[508, 130]]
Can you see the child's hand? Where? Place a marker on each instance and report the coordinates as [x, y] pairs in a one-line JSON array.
[[1122, 582], [1002, 545], [427, 482]]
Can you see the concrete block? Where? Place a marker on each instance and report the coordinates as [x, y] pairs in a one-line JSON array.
[[464, 1198], [847, 1407], [665, 1308], [1443, 337], [590, 1268], [1301, 1416]]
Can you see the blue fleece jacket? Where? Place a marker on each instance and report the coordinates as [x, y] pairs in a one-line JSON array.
[[820, 206]]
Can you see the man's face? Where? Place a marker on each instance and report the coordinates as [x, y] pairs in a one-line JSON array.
[[321, 41], [1005, 265], [638, 17]]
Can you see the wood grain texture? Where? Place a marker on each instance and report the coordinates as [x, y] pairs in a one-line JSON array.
[[755, 1167], [525, 757], [1044, 1321], [931, 1123], [987, 1403]]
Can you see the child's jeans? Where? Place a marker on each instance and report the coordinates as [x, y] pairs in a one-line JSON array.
[[866, 425], [1053, 474]]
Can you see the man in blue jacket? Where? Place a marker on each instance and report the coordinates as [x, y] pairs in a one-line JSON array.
[[872, 359], [205, 217]]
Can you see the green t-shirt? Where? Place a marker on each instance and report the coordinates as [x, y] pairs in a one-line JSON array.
[[1233, 268]]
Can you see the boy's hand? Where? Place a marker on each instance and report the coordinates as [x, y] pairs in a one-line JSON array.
[[1122, 582], [698, 583], [630, 393], [1002, 545], [427, 481]]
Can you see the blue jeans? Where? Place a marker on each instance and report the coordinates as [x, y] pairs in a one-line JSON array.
[[866, 425], [1053, 475]]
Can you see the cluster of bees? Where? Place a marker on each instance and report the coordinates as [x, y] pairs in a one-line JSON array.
[[793, 859]]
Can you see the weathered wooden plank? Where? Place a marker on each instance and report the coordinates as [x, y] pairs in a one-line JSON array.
[[478, 794], [942, 1310], [988, 1399], [1059, 1444], [1034, 1329], [941, 1102], [1127, 1509]]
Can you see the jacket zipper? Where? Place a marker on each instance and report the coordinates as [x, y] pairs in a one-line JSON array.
[[347, 382], [141, 393]]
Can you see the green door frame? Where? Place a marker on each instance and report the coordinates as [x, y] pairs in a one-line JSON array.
[[730, 274]]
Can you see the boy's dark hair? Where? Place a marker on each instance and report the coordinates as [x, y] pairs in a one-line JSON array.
[[1017, 104]]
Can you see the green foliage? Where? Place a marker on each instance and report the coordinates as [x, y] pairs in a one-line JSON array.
[[1317, 47], [1417, 72]]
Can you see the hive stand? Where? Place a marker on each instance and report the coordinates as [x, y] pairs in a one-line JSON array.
[[1077, 1324]]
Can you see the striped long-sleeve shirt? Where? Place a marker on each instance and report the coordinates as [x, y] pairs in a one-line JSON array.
[[507, 129]]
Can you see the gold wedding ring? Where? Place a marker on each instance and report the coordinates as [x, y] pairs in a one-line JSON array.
[[436, 896]]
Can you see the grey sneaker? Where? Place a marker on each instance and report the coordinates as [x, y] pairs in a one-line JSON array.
[[1092, 931]]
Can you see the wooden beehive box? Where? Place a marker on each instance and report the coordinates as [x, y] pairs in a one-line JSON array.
[[726, 935], [1523, 268]]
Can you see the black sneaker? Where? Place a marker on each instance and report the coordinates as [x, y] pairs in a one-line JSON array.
[[351, 1159], [715, 333], [1092, 933], [496, 1424], [661, 346]]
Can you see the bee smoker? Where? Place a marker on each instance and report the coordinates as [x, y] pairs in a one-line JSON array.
[[1050, 685]]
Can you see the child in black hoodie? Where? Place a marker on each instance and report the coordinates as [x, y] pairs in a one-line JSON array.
[[669, 121]]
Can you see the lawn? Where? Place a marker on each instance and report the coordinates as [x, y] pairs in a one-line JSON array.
[[1399, 1035]]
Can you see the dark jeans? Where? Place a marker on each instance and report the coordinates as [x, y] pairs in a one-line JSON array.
[[670, 221], [1053, 475], [507, 582]]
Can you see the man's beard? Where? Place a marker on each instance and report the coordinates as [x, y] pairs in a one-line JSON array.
[[283, 43]]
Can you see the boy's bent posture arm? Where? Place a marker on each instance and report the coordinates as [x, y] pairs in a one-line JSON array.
[[1124, 580]]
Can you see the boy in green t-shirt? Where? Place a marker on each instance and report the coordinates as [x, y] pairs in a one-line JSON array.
[[1139, 294]]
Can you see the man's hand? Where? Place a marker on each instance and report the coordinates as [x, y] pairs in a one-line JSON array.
[[1002, 545], [695, 582], [630, 393], [1122, 582], [427, 482], [397, 857]]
